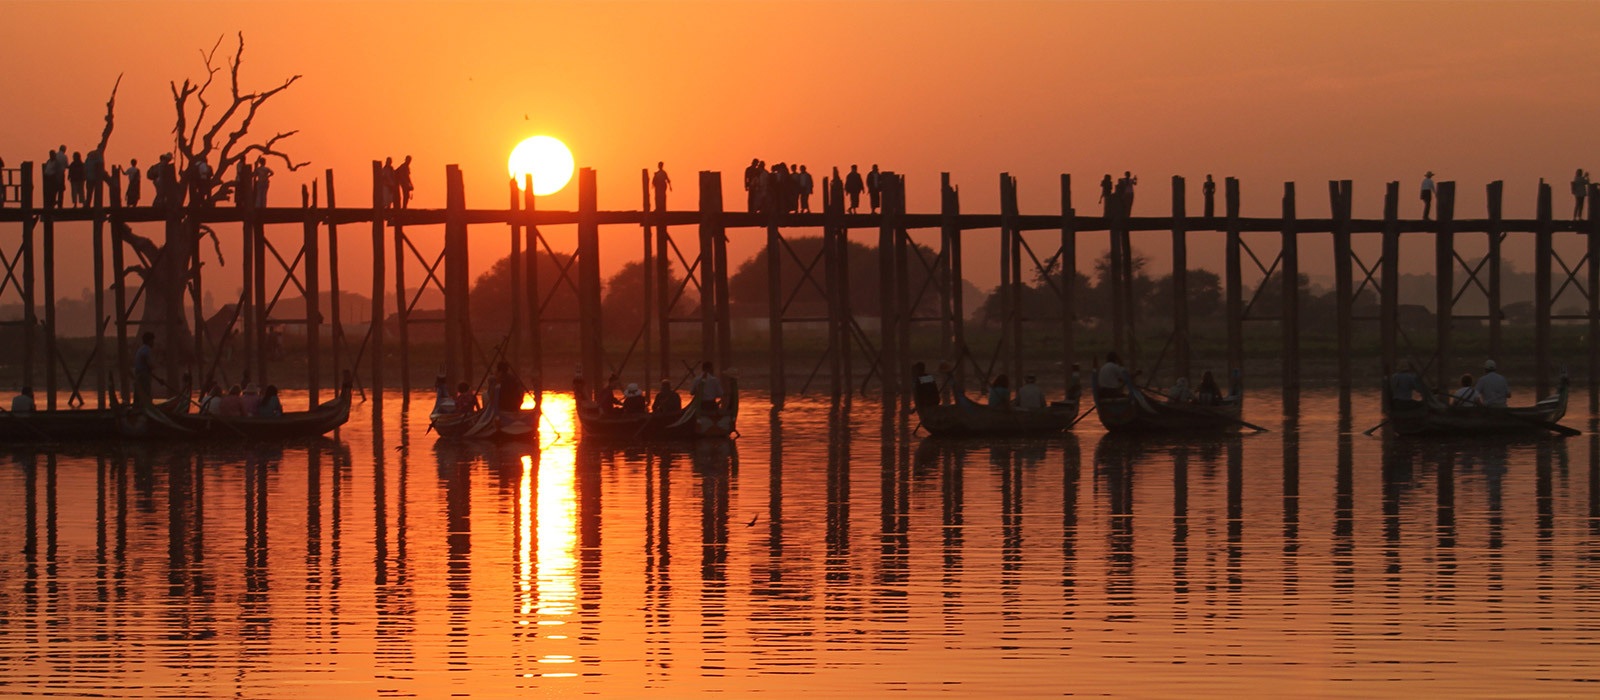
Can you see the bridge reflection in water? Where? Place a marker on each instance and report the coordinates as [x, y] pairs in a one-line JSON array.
[[830, 550]]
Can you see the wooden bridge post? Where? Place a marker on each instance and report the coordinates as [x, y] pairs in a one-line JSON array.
[[719, 246], [1444, 264], [336, 337], [951, 219], [530, 235], [1389, 315], [664, 292], [1180, 277], [1068, 262], [1593, 270], [48, 241], [1542, 255], [1339, 203], [259, 240], [1496, 236], [515, 263], [896, 195], [1234, 277], [589, 327], [312, 294], [1116, 222], [710, 227], [458, 281], [1291, 296], [98, 255], [402, 312], [946, 230], [375, 329], [119, 294], [889, 369], [1008, 310], [648, 272], [29, 217], [775, 209], [838, 243], [248, 318]]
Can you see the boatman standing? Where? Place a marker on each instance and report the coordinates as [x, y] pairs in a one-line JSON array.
[[143, 368]]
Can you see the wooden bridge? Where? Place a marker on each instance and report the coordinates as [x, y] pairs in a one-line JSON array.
[[857, 357]]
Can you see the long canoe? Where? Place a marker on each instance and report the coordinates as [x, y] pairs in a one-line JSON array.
[[79, 425], [488, 423], [1434, 416], [694, 422], [964, 418], [292, 424], [1142, 413]]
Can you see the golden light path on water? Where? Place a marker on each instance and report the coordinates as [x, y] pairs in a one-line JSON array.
[[557, 525]]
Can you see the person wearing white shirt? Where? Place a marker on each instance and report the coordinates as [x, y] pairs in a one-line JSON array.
[[1492, 388], [1427, 195], [1466, 395], [1029, 395]]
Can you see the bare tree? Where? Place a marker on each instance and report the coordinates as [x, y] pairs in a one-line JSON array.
[[212, 131]]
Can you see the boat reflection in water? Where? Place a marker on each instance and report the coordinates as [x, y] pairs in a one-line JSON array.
[[829, 550]]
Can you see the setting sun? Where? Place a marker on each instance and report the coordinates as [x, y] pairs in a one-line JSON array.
[[547, 159]]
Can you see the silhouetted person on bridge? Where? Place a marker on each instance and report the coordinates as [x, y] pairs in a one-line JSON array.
[[874, 188], [57, 186], [402, 180], [94, 173], [75, 177], [1580, 190], [1125, 186], [1106, 189], [1427, 195], [852, 187], [807, 185], [387, 186], [752, 184], [131, 195], [661, 183], [263, 181], [1210, 190]]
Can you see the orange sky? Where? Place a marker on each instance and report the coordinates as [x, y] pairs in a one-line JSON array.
[[1267, 92]]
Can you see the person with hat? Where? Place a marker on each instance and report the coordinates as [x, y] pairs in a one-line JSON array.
[[1427, 195], [1492, 388], [1029, 396], [633, 400]]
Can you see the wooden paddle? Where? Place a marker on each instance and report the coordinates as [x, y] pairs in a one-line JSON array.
[[1375, 428], [1075, 421]]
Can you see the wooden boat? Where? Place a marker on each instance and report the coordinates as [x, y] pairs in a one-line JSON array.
[[1436, 416], [694, 422], [964, 418], [487, 423], [1140, 412], [85, 424], [292, 424]]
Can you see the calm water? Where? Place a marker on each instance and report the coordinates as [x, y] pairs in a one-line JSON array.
[[830, 553]]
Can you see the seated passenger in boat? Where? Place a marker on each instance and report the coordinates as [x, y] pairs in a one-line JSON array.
[[667, 401], [1029, 396], [1000, 392], [23, 402], [1209, 394], [211, 405], [232, 404], [1466, 395], [466, 401], [1180, 392], [1405, 386], [1493, 389], [633, 400], [925, 388], [612, 403], [509, 389], [250, 401], [271, 406]]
